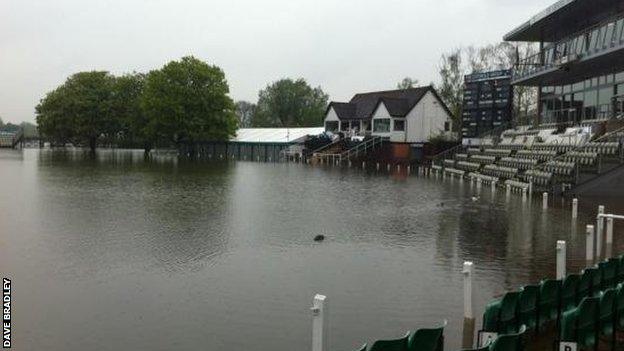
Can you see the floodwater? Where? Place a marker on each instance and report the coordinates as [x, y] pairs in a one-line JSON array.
[[121, 253]]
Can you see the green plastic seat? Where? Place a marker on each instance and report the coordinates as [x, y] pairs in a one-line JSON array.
[[609, 270], [580, 325], [606, 307], [508, 317], [509, 342], [491, 316], [619, 307], [548, 303], [391, 345], [569, 288], [596, 282], [527, 306], [431, 339], [584, 285], [484, 348], [621, 269]]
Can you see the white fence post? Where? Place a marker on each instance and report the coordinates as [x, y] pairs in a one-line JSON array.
[[599, 231], [468, 272], [561, 259], [609, 239], [524, 195], [574, 208], [319, 324], [545, 201], [589, 245]]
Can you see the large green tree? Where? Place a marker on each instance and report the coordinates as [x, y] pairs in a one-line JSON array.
[[188, 101], [290, 103], [79, 110], [129, 123]]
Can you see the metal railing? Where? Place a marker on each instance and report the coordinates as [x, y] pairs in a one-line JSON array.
[[17, 137], [346, 155], [361, 147], [590, 41]]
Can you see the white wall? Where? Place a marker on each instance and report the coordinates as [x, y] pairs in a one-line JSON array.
[[382, 113], [426, 120], [331, 116]]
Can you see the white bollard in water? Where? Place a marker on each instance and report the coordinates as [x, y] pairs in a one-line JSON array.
[[561, 259], [574, 208], [408, 170], [524, 195], [479, 184], [599, 231], [468, 272], [508, 190], [609, 240], [363, 164], [349, 163], [388, 167], [545, 201], [609, 231], [589, 245], [377, 166], [319, 324]]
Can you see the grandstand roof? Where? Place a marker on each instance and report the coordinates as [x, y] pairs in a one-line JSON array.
[[274, 135]]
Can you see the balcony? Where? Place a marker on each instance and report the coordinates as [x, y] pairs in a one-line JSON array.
[[596, 50]]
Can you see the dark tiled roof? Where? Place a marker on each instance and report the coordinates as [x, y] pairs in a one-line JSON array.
[[398, 103], [344, 110], [396, 107]]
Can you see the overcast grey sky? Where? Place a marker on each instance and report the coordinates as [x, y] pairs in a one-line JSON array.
[[345, 46]]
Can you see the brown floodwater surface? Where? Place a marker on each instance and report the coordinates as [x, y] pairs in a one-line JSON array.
[[119, 252]]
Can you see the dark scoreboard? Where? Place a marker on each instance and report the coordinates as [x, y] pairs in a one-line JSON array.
[[488, 99]]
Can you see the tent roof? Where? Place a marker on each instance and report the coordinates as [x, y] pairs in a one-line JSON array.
[[274, 135]]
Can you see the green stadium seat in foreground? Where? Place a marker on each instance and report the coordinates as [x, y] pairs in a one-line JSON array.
[[549, 300], [508, 321], [584, 285], [609, 273], [427, 339], [580, 325], [484, 348], [527, 306], [619, 307], [391, 345], [569, 288], [509, 342], [621, 268], [606, 307]]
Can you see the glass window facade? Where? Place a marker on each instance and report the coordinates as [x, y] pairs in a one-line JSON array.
[[381, 125], [399, 125], [585, 100], [331, 126]]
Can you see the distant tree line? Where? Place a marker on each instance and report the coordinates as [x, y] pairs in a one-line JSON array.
[[184, 101], [284, 103]]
